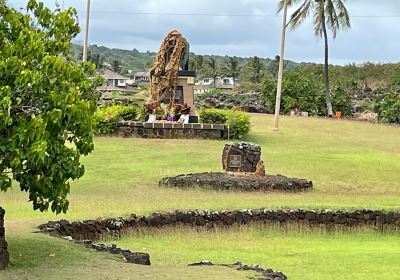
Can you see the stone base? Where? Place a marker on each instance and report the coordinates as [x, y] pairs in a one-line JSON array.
[[170, 130], [237, 181]]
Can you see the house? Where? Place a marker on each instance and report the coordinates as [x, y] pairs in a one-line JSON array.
[[207, 84], [141, 78], [115, 82]]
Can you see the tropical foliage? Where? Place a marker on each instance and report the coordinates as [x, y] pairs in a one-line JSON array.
[[107, 117], [305, 91], [232, 69], [327, 14], [237, 122], [47, 104]]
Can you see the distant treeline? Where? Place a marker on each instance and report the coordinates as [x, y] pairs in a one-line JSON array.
[[246, 69]]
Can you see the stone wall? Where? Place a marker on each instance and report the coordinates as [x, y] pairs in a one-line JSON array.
[[4, 257], [170, 130], [95, 229], [237, 182]]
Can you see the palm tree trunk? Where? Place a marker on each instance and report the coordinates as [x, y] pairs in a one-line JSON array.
[[326, 71]]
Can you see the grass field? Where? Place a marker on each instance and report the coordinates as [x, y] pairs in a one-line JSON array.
[[352, 165], [300, 253]]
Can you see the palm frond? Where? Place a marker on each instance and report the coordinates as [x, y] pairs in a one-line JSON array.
[[344, 17], [319, 18], [281, 4], [298, 17], [331, 17]]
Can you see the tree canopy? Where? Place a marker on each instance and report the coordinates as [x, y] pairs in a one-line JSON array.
[[47, 104], [327, 14]]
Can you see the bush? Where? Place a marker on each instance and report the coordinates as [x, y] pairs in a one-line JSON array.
[[250, 87], [305, 91], [107, 117], [237, 122], [388, 106], [213, 116]]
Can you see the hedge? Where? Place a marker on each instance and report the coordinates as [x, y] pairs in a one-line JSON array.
[[237, 122]]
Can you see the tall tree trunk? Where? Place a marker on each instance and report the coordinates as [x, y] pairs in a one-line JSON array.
[[326, 71]]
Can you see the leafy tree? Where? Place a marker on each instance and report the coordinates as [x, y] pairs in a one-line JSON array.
[[298, 90], [394, 78], [148, 64], [386, 103], [232, 69], [97, 60], [255, 67], [327, 14], [212, 69], [47, 104], [116, 66], [197, 63], [273, 67], [304, 90]]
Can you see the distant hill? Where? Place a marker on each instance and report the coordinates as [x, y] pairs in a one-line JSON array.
[[137, 61]]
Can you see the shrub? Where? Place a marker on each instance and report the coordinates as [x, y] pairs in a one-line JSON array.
[[250, 87], [107, 117], [305, 91], [388, 106], [213, 116], [237, 122]]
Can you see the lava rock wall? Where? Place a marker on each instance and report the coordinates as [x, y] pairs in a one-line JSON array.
[[95, 229]]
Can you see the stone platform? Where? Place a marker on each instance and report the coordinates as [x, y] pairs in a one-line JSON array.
[[237, 181], [170, 130]]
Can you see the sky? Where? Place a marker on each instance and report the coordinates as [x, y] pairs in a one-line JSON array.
[[238, 28]]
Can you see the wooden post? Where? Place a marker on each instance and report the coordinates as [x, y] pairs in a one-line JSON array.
[[280, 72]]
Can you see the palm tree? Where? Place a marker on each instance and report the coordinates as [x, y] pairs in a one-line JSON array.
[[232, 69], [327, 14], [256, 68], [97, 60], [116, 66], [213, 69]]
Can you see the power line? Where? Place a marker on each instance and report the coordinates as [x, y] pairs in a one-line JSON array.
[[219, 15]]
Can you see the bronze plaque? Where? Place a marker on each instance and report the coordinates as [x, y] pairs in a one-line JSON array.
[[235, 161]]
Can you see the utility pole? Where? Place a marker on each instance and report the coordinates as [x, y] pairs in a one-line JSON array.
[[280, 72], [86, 39]]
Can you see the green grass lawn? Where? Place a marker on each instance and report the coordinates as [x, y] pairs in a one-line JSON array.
[[300, 253], [352, 164]]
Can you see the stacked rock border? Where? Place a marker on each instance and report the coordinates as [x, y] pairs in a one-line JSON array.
[[4, 256], [89, 231], [266, 273], [237, 182], [116, 227]]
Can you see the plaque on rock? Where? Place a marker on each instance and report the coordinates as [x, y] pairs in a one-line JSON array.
[[235, 161], [241, 157]]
